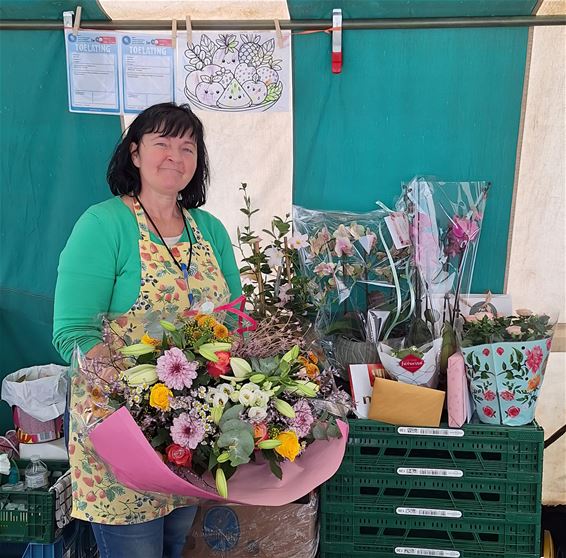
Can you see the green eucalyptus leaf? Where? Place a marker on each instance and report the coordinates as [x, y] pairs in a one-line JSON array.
[[231, 413]]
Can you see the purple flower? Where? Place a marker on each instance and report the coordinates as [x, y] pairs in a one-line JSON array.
[[174, 370], [303, 420], [462, 231], [187, 431]]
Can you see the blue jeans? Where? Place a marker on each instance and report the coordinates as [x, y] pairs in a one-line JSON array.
[[158, 538]]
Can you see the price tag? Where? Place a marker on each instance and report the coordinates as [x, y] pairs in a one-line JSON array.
[[417, 431], [427, 512], [408, 551], [418, 472]]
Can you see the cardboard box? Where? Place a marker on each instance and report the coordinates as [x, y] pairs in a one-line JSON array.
[[232, 531], [405, 404]]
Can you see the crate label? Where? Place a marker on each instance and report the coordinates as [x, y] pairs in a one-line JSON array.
[[419, 472], [429, 512], [417, 431], [408, 551]]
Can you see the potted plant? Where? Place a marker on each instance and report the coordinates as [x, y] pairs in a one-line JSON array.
[[505, 360]]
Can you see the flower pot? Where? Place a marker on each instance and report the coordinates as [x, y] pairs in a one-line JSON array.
[[505, 379]]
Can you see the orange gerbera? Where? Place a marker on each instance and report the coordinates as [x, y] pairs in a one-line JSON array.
[[204, 320], [220, 331]]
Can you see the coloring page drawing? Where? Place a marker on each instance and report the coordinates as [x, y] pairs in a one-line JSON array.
[[235, 72]]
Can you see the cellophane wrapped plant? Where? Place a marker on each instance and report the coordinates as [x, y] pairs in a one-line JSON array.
[[445, 220], [358, 280], [207, 400], [505, 360]]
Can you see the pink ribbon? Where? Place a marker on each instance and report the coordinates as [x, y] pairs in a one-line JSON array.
[[235, 307]]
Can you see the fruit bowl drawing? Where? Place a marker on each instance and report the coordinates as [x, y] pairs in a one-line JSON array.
[[231, 75]]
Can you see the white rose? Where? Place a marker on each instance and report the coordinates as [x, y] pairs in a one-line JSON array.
[[235, 396], [251, 386], [262, 399], [257, 413], [247, 396]]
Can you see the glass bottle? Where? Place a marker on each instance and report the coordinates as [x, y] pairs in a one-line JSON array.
[[37, 474]]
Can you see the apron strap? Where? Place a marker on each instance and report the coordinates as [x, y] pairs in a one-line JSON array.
[[142, 221]]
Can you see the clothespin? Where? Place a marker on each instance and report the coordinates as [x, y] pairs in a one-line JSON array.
[[174, 33], [77, 22], [278, 34], [68, 20], [336, 41], [189, 27]]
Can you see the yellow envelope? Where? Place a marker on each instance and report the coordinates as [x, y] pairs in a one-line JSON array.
[[405, 404]]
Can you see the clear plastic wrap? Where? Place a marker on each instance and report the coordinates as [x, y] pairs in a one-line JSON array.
[[231, 531], [359, 279], [445, 220]]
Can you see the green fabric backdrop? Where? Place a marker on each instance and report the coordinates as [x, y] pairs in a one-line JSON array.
[[437, 102], [364, 9], [53, 167], [443, 102]]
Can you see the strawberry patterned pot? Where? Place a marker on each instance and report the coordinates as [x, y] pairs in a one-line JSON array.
[[506, 378]]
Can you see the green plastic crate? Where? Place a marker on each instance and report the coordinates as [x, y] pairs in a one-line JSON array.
[[508, 500], [380, 534], [483, 451], [35, 521]]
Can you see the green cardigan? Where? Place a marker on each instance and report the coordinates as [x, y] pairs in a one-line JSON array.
[[99, 271]]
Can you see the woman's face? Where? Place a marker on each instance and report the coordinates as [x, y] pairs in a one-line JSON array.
[[166, 164]]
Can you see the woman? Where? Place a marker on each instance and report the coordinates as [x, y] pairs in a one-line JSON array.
[[148, 252]]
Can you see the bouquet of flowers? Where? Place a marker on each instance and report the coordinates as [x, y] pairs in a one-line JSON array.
[[505, 360], [207, 401]]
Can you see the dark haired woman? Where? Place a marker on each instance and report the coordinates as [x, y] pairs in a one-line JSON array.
[[145, 253]]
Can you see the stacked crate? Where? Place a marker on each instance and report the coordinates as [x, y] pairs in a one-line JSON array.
[[473, 492]]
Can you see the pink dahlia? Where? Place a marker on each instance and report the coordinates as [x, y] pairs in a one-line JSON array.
[[174, 370], [187, 431], [303, 420], [534, 359]]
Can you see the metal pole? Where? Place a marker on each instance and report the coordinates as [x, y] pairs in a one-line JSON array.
[[295, 25]]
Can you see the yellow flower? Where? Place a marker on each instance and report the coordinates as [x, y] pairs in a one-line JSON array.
[[290, 446], [206, 321], [220, 331], [148, 340], [159, 397]]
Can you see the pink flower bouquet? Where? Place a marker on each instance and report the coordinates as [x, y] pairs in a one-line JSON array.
[[505, 362], [201, 407]]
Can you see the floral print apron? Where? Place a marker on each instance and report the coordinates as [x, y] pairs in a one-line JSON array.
[[97, 496]]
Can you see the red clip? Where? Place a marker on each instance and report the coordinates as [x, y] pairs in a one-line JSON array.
[[336, 41]]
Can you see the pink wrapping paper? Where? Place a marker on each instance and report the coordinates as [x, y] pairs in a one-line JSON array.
[[122, 445], [458, 393]]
